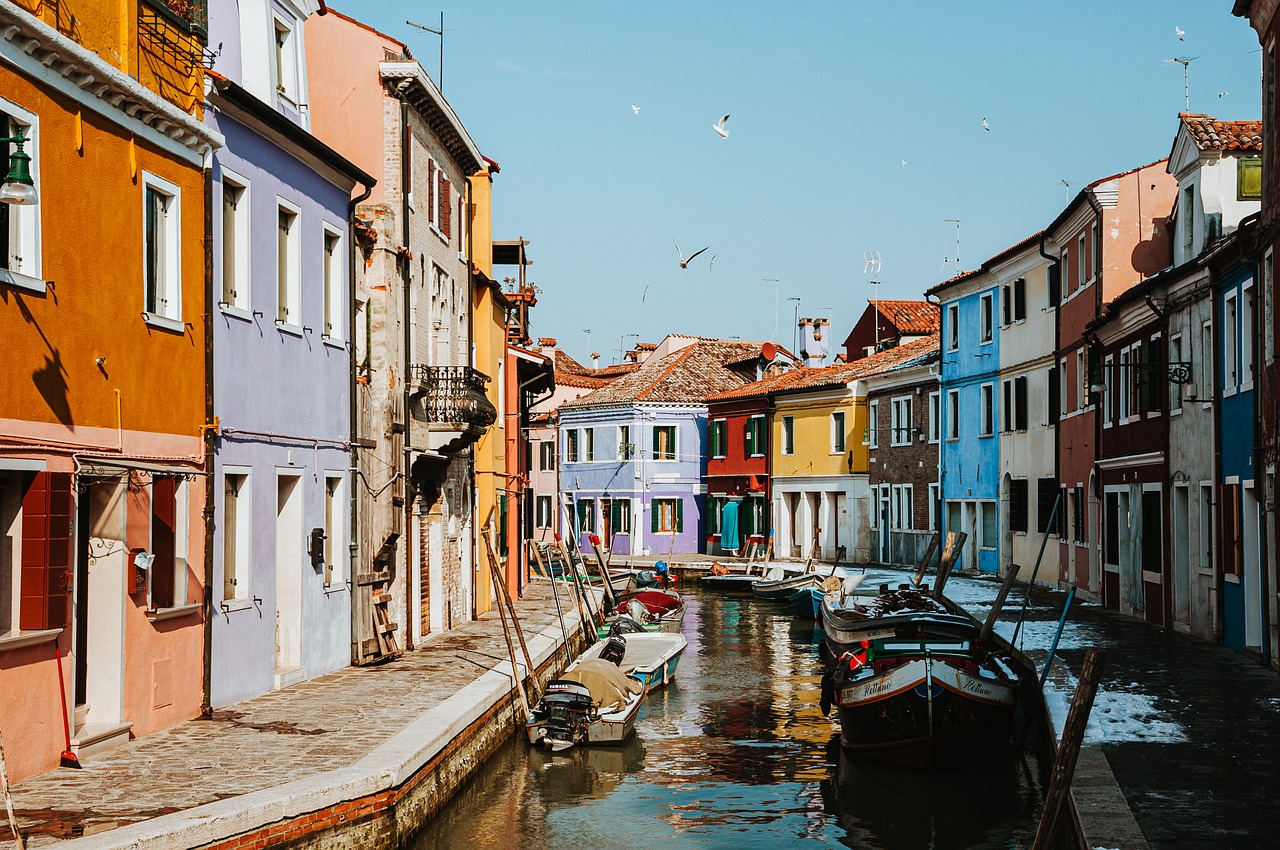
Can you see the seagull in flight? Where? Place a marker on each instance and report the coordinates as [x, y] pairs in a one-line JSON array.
[[985, 125], [1179, 32], [635, 108], [1223, 93], [713, 262], [645, 295], [904, 163], [719, 128], [684, 261]]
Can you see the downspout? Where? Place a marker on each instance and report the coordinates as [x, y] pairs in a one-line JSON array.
[[209, 434], [476, 530], [1215, 320], [353, 364], [406, 273], [1057, 357]]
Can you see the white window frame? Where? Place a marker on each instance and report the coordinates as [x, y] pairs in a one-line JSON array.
[[1207, 360], [289, 313], [587, 446], [953, 327], [1006, 399], [935, 416], [1247, 304], [168, 312], [953, 414], [788, 436], [243, 541], [757, 425], [285, 71], [987, 409], [1230, 344], [1108, 407], [572, 445], [626, 448], [1082, 266], [873, 427], [986, 318], [840, 445], [1124, 384], [24, 221], [1175, 388], [675, 442], [546, 455], [335, 528], [236, 282], [542, 518], [900, 418], [334, 290], [935, 506], [1082, 379]]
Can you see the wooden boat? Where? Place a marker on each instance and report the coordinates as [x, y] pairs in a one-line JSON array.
[[650, 606], [593, 702], [807, 602], [780, 589], [912, 680], [649, 656], [746, 581]]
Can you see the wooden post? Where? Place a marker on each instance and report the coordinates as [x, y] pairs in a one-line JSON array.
[[503, 602], [1064, 764], [813, 549], [1005, 586], [944, 566], [588, 625], [604, 573], [8, 800], [504, 596], [924, 562]]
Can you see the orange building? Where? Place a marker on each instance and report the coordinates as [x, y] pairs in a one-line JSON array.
[[103, 306]]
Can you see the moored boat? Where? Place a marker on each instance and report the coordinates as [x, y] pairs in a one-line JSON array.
[[807, 602], [779, 589], [593, 702], [651, 607], [651, 657]]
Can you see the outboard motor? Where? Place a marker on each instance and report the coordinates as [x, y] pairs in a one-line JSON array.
[[625, 625], [615, 648]]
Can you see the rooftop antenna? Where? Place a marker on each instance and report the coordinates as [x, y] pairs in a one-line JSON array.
[[946, 259], [1184, 61], [439, 32], [774, 281], [795, 327], [871, 263], [587, 331], [622, 347], [1066, 190]]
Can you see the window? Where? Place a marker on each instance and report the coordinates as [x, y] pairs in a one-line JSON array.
[[1268, 309], [335, 290], [1079, 527], [439, 199], [990, 525], [873, 426], [988, 410], [1020, 403], [1186, 219], [1124, 385], [571, 445], [837, 432], [288, 268], [588, 444], [788, 435], [716, 437], [546, 456], [1108, 409], [168, 575], [1046, 496], [235, 243], [1175, 388], [236, 513], [1249, 178], [902, 506], [1082, 378], [953, 327], [986, 317], [1018, 498], [754, 436], [542, 511], [161, 251], [36, 511], [668, 516], [1206, 361], [1229, 538], [1019, 299], [1097, 251], [1006, 305], [586, 513], [334, 527], [953, 414], [1006, 406], [1066, 267], [619, 517], [1246, 337], [1230, 334], [935, 417], [1055, 284], [626, 448], [901, 422], [1082, 267], [935, 507], [1053, 396], [286, 61], [19, 224], [664, 442], [1206, 526]]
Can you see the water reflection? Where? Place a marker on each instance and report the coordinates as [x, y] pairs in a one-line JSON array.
[[734, 753]]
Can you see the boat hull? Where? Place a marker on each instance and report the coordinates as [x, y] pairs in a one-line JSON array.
[[781, 590], [561, 730], [651, 657], [806, 602]]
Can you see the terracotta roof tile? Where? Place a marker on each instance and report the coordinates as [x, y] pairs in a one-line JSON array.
[[1210, 134], [801, 379], [565, 363], [909, 317], [685, 376]]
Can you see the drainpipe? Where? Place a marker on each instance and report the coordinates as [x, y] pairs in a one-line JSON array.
[[210, 482], [476, 530], [406, 274], [1057, 342], [353, 364]]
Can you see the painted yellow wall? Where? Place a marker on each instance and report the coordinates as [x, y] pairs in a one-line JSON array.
[[812, 435]]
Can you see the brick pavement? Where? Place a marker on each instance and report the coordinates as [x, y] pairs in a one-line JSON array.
[[315, 726]]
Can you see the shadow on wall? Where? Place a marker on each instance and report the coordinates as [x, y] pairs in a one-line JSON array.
[[50, 379], [1152, 255]]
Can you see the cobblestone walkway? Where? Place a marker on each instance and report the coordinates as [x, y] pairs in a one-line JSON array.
[[311, 727]]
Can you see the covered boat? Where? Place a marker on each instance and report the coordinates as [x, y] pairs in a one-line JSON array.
[[649, 656], [655, 609], [593, 702]]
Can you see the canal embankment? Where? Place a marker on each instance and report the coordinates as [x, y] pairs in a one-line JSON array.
[[361, 757]]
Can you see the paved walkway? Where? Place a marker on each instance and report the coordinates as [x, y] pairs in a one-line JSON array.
[[319, 725]]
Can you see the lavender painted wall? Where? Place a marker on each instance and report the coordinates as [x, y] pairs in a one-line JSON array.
[[642, 478]]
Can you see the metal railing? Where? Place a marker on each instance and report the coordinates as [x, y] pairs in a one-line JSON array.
[[452, 394]]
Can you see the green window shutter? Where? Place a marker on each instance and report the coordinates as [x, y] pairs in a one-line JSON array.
[[747, 517], [679, 516], [749, 438], [713, 515], [653, 516], [1249, 179]]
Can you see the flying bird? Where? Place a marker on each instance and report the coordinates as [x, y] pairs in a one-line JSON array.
[[645, 295], [635, 108], [985, 125], [719, 127], [1179, 32], [904, 163], [713, 262], [1223, 93], [684, 261]]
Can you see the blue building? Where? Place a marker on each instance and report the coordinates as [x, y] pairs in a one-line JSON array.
[[969, 448], [280, 199]]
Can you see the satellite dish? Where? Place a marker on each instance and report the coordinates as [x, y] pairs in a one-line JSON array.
[[769, 351]]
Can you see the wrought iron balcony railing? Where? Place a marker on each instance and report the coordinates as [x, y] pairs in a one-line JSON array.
[[191, 15], [452, 394]]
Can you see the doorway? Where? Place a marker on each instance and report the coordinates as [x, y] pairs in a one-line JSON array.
[[289, 567]]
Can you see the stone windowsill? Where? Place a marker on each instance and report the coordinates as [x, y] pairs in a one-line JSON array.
[[159, 614], [18, 639]]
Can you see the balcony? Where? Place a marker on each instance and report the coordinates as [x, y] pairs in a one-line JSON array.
[[451, 402], [171, 42]]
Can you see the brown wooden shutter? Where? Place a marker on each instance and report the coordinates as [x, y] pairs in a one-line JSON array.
[[431, 190], [46, 552], [163, 523], [446, 207]]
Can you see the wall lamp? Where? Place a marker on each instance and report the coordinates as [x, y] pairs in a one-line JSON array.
[[18, 188]]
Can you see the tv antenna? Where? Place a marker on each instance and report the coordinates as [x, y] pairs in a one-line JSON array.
[[439, 32], [587, 331], [775, 283], [945, 257], [1066, 189], [1184, 61], [871, 264]]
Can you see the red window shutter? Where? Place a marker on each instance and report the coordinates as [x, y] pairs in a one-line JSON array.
[[163, 523], [46, 552], [431, 190], [446, 208]]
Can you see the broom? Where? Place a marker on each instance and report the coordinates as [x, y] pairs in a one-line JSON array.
[[8, 800], [69, 758]]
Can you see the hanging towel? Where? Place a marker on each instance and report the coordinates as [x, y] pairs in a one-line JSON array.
[[729, 526]]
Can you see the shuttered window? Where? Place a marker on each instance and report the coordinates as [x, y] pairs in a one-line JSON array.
[[1018, 495], [1020, 403], [163, 523], [716, 437], [1046, 494], [668, 516], [664, 442], [45, 581], [1055, 284], [1249, 179]]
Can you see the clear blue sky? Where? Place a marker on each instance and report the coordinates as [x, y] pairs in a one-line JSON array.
[[827, 100]]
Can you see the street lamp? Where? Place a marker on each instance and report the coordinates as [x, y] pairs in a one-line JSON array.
[[18, 189]]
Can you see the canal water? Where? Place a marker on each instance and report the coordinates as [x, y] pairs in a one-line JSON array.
[[735, 753]]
